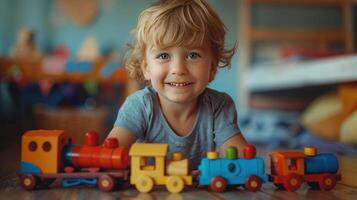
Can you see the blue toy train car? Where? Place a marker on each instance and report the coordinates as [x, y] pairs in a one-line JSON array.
[[248, 171]]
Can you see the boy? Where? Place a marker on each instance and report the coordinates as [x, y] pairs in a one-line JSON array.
[[179, 45]]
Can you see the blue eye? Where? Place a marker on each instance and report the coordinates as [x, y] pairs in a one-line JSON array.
[[163, 56], [193, 55]]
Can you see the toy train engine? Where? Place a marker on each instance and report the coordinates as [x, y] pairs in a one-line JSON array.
[[50, 154], [290, 169], [248, 171]]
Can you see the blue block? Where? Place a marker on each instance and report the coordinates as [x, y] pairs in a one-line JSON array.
[[321, 163], [29, 168]]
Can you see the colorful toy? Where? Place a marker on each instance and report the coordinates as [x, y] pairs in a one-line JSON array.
[[231, 170], [290, 169], [150, 167], [50, 154]]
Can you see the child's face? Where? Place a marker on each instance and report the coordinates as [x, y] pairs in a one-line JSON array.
[[178, 74]]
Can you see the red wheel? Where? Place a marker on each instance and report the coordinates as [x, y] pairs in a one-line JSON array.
[[106, 183], [292, 182], [253, 183], [218, 184], [28, 182], [327, 182]]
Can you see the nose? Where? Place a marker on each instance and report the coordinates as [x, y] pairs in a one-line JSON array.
[[179, 66]]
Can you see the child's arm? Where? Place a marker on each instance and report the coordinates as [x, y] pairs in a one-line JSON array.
[[237, 140], [124, 136]]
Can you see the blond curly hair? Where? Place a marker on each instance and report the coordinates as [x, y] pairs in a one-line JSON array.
[[169, 23]]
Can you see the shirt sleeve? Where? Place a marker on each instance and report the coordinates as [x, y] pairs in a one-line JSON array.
[[131, 116], [225, 120]]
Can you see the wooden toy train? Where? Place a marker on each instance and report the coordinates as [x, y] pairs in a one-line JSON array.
[[50, 154]]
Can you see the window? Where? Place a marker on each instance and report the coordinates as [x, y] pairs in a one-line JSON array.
[[147, 163], [46, 146], [292, 164], [231, 167], [32, 146]]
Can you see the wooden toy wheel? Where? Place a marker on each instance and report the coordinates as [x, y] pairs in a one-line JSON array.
[[144, 183], [28, 182], [218, 184], [253, 183], [292, 182], [327, 182], [174, 184], [106, 183]]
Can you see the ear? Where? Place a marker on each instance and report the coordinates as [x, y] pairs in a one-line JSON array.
[[145, 69]]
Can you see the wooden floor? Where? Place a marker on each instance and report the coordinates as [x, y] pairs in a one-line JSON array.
[[10, 189]]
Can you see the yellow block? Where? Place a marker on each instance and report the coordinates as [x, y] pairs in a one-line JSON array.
[[310, 151], [212, 155], [178, 168]]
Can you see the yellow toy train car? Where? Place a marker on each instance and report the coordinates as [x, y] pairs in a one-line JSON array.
[[150, 167]]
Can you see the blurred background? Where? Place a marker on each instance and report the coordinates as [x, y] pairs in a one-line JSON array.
[[293, 78]]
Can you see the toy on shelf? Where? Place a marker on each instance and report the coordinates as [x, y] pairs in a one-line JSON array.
[[25, 47], [290, 169], [49, 154], [89, 50], [333, 116], [248, 171], [150, 167]]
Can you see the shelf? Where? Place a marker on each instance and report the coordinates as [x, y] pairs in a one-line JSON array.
[[310, 73], [33, 70], [253, 81], [280, 34]]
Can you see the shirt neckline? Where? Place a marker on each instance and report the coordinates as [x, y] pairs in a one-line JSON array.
[[166, 124]]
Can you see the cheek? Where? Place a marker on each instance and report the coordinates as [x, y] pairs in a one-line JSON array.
[[208, 71], [157, 73]]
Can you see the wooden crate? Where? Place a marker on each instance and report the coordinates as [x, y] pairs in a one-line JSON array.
[[74, 120]]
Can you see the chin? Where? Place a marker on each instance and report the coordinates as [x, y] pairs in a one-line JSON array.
[[181, 98]]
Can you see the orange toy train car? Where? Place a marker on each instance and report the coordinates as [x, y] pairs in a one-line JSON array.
[[290, 169]]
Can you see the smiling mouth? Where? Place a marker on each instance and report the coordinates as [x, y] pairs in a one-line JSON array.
[[179, 84]]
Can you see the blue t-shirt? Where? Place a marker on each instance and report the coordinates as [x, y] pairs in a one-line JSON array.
[[216, 121]]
